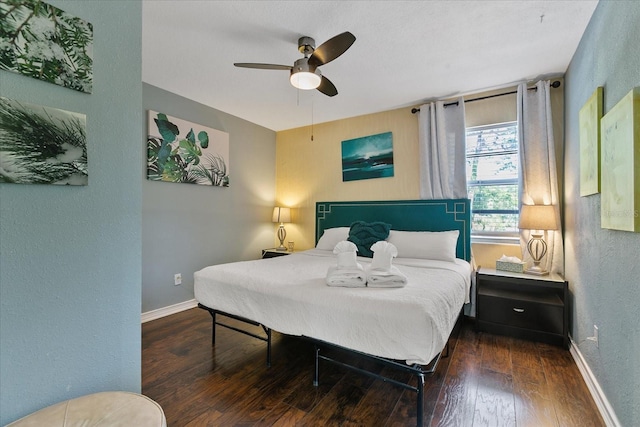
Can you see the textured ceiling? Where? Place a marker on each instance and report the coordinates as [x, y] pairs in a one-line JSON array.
[[406, 52]]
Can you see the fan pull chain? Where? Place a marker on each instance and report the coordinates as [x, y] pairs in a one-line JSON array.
[[312, 120]]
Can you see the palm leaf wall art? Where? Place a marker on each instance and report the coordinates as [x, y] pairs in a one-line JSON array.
[[46, 43], [185, 152], [41, 145]]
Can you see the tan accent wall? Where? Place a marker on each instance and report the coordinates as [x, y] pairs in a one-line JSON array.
[[311, 171]]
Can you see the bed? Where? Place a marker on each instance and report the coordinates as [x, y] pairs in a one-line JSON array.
[[406, 328]]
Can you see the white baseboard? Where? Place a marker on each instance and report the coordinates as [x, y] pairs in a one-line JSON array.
[[609, 416], [166, 311]]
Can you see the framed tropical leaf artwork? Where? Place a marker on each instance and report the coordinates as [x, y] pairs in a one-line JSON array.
[[41, 145], [41, 41], [185, 152]]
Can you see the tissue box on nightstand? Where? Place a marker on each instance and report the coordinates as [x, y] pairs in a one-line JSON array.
[[514, 267]]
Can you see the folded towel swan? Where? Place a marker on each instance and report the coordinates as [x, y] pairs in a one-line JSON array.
[[348, 272], [381, 274], [392, 278], [347, 277]]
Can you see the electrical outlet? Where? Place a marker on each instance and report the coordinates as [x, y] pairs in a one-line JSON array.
[[595, 337], [177, 279]]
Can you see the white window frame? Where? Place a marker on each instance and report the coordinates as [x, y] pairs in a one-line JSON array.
[[496, 237]]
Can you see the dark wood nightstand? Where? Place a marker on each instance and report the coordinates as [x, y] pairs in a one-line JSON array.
[[272, 253], [523, 305]]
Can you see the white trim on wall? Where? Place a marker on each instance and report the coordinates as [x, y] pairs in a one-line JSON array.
[[605, 408], [166, 311]]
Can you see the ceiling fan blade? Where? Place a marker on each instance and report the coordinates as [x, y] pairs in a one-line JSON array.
[[327, 87], [262, 66], [331, 49]]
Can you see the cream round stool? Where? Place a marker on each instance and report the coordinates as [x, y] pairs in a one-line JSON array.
[[110, 408]]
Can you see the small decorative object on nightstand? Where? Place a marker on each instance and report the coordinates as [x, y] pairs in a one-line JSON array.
[[281, 215], [523, 306], [272, 253], [537, 218]]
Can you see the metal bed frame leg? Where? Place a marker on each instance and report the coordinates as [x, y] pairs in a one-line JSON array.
[[213, 328], [413, 369], [420, 406], [268, 332], [316, 374], [214, 322]]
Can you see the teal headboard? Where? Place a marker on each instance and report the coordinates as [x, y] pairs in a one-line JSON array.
[[407, 215]]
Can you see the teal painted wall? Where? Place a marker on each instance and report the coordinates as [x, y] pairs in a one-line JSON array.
[[187, 227], [70, 257], [602, 265]]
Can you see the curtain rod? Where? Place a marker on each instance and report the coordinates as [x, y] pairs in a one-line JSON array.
[[554, 85]]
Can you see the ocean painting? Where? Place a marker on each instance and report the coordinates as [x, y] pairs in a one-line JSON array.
[[367, 157]]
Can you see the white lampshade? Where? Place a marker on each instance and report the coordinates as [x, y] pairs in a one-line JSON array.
[[305, 80], [281, 215], [538, 217]]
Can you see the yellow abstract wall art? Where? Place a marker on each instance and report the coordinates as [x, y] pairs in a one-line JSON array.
[[589, 117], [620, 154]]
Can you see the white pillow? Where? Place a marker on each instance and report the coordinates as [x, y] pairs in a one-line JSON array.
[[331, 237], [437, 245]]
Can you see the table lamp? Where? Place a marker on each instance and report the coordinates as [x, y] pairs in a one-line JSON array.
[[537, 218], [281, 215]]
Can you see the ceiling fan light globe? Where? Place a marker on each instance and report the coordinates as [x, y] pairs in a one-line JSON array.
[[305, 80]]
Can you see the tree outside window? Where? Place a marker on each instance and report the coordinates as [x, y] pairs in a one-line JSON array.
[[492, 178]]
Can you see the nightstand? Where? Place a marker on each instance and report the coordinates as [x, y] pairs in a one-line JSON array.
[[272, 253], [523, 305]]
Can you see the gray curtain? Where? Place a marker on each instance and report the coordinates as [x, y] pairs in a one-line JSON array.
[[538, 167], [443, 172]]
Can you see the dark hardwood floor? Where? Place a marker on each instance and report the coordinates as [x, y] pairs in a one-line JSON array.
[[487, 380]]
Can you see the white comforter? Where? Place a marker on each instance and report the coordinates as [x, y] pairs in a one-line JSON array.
[[289, 294]]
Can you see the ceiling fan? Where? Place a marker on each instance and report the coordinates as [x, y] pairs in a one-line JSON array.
[[304, 74]]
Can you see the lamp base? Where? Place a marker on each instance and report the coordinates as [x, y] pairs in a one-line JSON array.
[[282, 234], [537, 248], [536, 271]]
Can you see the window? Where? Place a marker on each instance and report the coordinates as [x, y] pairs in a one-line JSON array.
[[492, 179]]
